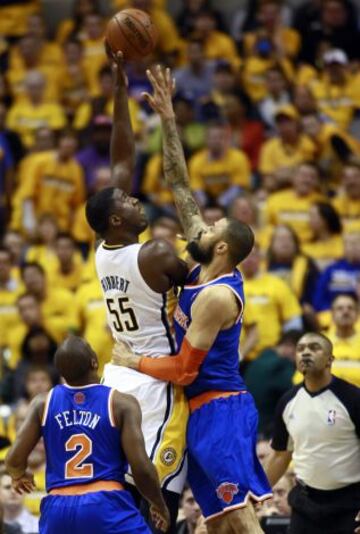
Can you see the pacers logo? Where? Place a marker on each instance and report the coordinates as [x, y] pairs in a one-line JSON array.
[[168, 456], [226, 491]]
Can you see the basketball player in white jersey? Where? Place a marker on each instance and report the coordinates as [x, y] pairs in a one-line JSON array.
[[134, 279]]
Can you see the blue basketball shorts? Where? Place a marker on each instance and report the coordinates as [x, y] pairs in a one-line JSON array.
[[103, 512], [224, 471]]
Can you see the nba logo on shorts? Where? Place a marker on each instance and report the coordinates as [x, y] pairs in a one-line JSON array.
[[226, 491], [331, 417]]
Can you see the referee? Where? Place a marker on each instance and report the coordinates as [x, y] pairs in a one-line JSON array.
[[317, 425]]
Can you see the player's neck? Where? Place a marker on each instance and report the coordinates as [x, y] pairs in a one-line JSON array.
[[213, 271], [88, 381], [127, 238]]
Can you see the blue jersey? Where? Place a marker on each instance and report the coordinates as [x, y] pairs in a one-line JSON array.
[[82, 442], [220, 369]]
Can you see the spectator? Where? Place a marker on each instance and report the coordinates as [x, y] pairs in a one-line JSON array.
[[347, 201], [245, 208], [326, 243], [195, 78], [281, 154], [9, 291], [38, 381], [272, 302], [307, 16], [56, 303], [55, 184], [43, 249], [96, 153], [186, 19], [263, 450], [15, 514], [191, 512], [247, 134], [281, 491], [93, 47], [67, 271], [291, 206], [285, 260], [72, 82], [336, 91], [14, 16], [304, 100], [277, 95], [317, 424], [15, 242], [336, 28], [74, 26], [218, 171], [270, 376], [26, 117], [341, 276], [285, 40], [217, 45], [334, 145]]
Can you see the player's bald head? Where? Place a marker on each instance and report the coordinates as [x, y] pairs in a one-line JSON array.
[[75, 359]]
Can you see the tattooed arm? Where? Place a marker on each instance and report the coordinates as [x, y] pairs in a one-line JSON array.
[[174, 163]]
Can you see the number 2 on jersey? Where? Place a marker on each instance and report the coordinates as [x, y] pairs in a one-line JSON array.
[[128, 323], [73, 468]]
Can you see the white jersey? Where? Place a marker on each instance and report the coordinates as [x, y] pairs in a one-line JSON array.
[[136, 314]]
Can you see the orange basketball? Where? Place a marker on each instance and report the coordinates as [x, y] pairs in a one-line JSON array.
[[132, 32]]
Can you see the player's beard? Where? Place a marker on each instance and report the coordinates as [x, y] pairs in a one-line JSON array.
[[200, 255]]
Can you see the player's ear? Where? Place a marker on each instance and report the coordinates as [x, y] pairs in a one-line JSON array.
[[222, 248], [115, 220], [94, 364]]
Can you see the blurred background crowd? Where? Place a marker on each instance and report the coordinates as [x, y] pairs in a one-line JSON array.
[[267, 104]]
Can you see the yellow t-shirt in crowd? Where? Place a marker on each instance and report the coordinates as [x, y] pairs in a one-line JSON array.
[[275, 154], [286, 207], [55, 187], [347, 358], [254, 71], [325, 252], [220, 46], [349, 211], [154, 183], [25, 118], [60, 312], [50, 55], [216, 176], [70, 281], [94, 59], [16, 80], [337, 102], [92, 320], [14, 16], [83, 115], [8, 309], [273, 304], [289, 39]]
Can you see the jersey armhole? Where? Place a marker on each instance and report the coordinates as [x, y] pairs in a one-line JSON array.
[[111, 408], [238, 298], [46, 408]]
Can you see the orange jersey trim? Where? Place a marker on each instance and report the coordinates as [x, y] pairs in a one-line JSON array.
[[92, 487], [196, 402], [181, 369]]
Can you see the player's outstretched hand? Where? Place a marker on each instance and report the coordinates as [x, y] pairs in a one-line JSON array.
[[123, 355], [117, 65], [24, 484], [160, 518], [163, 88]]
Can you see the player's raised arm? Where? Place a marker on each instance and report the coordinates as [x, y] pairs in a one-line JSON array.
[[122, 147], [174, 163], [26, 439], [128, 418]]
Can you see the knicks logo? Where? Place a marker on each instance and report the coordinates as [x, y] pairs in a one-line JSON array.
[[226, 491], [181, 318], [168, 456], [79, 397]]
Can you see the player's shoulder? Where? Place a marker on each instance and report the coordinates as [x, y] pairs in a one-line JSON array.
[[158, 249], [215, 296]]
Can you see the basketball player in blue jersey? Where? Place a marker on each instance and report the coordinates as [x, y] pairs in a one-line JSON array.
[[224, 472], [134, 279], [90, 432]]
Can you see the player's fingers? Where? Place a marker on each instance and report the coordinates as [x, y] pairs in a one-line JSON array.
[[168, 79], [119, 56], [160, 74], [153, 80], [149, 99]]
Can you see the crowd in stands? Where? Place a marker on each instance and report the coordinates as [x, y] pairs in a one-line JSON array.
[[267, 104]]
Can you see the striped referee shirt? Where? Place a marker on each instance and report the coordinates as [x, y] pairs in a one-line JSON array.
[[322, 430]]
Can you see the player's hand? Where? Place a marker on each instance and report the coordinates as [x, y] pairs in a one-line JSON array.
[[24, 484], [163, 86], [123, 355], [117, 65], [160, 518]]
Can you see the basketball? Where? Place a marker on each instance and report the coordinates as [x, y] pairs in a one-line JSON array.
[[133, 32]]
